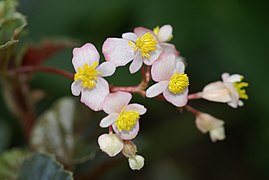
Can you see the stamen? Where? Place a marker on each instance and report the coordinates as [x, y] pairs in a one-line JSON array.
[[178, 83], [127, 120]]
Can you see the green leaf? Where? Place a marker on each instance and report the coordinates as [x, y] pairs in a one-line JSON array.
[[10, 163], [43, 167]]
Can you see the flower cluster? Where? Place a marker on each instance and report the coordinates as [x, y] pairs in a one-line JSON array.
[[149, 49]]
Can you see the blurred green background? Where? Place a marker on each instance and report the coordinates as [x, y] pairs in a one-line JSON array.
[[214, 37]]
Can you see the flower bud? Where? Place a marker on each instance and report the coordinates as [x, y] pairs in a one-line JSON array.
[[129, 149], [111, 144], [136, 162]]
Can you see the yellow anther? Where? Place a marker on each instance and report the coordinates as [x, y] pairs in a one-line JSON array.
[[146, 44], [87, 75], [178, 83], [239, 88], [156, 30], [127, 120]]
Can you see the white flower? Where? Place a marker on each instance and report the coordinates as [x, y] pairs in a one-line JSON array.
[[111, 144], [123, 117], [136, 162], [137, 47], [88, 79], [207, 123], [171, 80], [229, 91]]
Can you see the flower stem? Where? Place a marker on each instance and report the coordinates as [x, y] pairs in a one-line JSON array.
[[192, 110], [195, 96]]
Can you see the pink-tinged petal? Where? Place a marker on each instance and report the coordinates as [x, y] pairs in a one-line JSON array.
[[180, 67], [225, 76], [127, 135], [130, 36], [76, 88], [94, 98], [163, 68], [234, 78], [178, 100], [136, 107], [140, 31], [156, 89], [169, 48], [136, 64], [118, 51], [216, 91], [233, 94], [154, 55], [114, 102], [165, 33], [106, 68], [108, 120], [87, 54]]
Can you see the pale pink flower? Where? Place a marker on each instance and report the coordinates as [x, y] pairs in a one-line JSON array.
[[111, 144], [163, 35], [138, 48], [230, 90], [171, 80], [88, 79], [123, 117]]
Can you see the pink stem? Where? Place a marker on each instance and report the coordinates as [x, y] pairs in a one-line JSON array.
[[195, 96], [192, 110]]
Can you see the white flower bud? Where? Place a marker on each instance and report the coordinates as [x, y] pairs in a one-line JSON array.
[[111, 144], [136, 162], [217, 134]]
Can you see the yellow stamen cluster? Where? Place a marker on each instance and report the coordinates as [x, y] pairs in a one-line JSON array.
[[88, 75], [146, 44], [156, 30], [127, 120], [178, 83], [239, 88]]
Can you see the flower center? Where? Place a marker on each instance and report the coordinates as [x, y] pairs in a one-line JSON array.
[[87, 75], [127, 120], [147, 43], [178, 83], [239, 88]]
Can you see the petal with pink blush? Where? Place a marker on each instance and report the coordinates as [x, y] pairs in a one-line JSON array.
[[94, 98], [140, 31], [178, 100], [180, 67], [114, 102], [108, 120], [118, 51], [127, 135], [165, 33], [87, 54], [136, 107], [130, 36], [164, 67], [154, 55], [156, 89], [169, 48], [216, 91], [106, 68], [136, 63], [76, 88]]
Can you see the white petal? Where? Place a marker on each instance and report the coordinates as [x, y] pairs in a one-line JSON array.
[[136, 162], [163, 68], [76, 88], [87, 54], [225, 76], [165, 33], [110, 144], [216, 91], [106, 68], [136, 64], [108, 120], [178, 100], [118, 51], [234, 78], [127, 135], [206, 122], [136, 107], [154, 55], [94, 98], [169, 48], [130, 36], [156, 89], [114, 102], [217, 134], [140, 31], [180, 67]]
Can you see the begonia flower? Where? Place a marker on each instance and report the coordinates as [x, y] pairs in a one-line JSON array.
[[111, 144], [171, 80], [88, 79], [136, 162], [207, 123], [230, 90], [132, 47], [123, 117], [163, 35]]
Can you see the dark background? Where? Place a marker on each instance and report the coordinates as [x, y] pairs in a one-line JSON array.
[[214, 37]]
